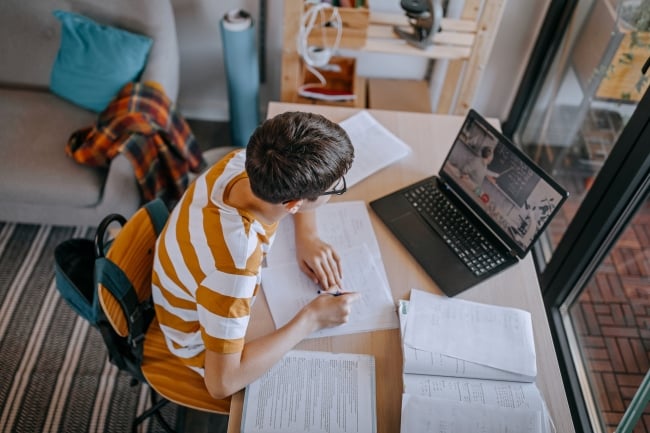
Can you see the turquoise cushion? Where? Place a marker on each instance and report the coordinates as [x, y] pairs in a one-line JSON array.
[[95, 61]]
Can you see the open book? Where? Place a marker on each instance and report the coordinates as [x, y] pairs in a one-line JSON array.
[[474, 363], [309, 391]]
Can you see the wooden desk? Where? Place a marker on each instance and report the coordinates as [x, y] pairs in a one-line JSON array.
[[430, 136]]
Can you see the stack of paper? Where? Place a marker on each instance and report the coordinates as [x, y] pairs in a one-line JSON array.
[[347, 227], [475, 363]]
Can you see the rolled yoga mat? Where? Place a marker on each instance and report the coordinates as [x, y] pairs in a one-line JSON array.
[[242, 74]]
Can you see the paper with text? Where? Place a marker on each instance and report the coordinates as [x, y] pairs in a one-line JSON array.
[[425, 415], [418, 361], [288, 289], [375, 147], [504, 394], [492, 335], [347, 227], [308, 391], [343, 225]]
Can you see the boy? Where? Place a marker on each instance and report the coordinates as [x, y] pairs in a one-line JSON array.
[[208, 257]]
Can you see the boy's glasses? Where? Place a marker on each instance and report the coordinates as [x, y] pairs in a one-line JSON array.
[[340, 188]]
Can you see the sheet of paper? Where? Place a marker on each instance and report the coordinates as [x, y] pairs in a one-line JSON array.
[[512, 395], [491, 335], [375, 147], [288, 289], [418, 361], [425, 415], [343, 225], [347, 227], [317, 392]]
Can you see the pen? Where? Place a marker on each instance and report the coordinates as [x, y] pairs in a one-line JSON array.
[[331, 291]]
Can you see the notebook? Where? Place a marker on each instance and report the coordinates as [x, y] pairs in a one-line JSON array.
[[480, 214]]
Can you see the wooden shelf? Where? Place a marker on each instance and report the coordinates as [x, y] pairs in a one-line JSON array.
[[466, 42]]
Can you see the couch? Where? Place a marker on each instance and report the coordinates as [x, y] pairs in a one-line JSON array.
[[39, 183]]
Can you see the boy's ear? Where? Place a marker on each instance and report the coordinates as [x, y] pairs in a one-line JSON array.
[[293, 206]]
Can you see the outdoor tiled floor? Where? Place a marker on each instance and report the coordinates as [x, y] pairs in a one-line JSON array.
[[612, 321]]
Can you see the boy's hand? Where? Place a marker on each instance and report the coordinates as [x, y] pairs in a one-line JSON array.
[[327, 310], [319, 261]]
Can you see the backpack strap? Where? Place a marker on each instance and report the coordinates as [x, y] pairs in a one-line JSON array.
[[138, 314], [158, 213]]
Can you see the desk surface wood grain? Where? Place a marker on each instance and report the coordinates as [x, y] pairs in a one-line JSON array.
[[430, 136]]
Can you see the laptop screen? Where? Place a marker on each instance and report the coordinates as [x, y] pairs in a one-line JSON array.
[[506, 189]]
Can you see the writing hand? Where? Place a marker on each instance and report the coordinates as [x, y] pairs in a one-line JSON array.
[[327, 310]]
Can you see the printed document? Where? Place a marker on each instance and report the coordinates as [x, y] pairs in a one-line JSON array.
[[499, 337], [375, 147], [470, 389], [425, 415], [308, 391], [420, 361]]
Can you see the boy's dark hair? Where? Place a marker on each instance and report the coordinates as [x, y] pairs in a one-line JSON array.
[[297, 155]]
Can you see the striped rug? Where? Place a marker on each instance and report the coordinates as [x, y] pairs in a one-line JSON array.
[[54, 371]]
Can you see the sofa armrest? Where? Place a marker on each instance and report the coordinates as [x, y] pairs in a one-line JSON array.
[[121, 192]]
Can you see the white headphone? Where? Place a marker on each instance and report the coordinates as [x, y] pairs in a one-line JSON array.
[[313, 55]]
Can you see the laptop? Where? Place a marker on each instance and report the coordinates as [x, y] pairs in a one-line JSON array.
[[479, 215]]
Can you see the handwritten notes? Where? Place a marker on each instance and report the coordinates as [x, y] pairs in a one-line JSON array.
[[347, 227]]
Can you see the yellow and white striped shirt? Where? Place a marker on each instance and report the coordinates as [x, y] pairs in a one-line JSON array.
[[207, 267]]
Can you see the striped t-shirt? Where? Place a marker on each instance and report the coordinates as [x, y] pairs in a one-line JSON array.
[[207, 267]]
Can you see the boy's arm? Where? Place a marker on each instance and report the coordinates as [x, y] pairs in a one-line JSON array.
[[316, 258], [226, 374]]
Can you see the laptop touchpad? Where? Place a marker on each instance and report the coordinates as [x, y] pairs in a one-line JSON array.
[[412, 230]]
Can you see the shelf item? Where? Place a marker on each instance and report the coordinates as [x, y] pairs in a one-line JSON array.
[[355, 26], [339, 86]]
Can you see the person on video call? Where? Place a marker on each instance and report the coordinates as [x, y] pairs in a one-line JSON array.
[[476, 169]]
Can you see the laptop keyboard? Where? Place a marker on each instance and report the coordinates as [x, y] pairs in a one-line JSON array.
[[469, 244]]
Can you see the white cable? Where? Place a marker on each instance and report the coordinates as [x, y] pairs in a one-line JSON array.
[[316, 56]]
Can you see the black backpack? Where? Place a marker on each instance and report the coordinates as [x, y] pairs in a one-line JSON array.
[[83, 267]]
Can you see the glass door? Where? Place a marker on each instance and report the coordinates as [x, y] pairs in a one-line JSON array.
[[597, 287], [587, 98], [587, 126]]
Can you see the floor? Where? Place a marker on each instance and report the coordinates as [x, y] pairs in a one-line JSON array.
[[612, 320], [210, 134], [612, 317]]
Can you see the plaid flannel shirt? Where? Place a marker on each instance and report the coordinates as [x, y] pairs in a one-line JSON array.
[[142, 123]]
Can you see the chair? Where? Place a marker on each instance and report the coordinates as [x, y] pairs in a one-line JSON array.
[[133, 346]]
